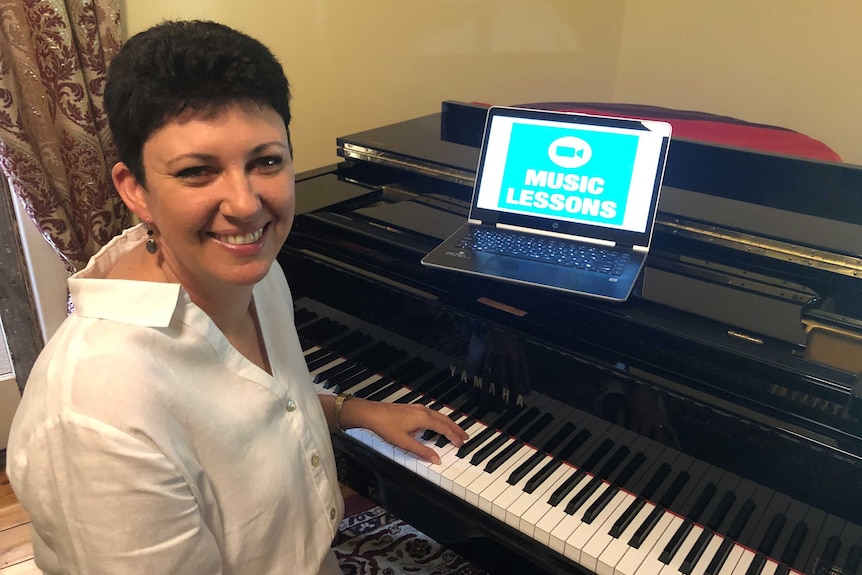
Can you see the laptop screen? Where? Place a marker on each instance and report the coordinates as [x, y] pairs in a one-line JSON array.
[[590, 176]]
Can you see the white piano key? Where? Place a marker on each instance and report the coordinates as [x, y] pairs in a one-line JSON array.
[[443, 473], [634, 558], [337, 361], [501, 495], [617, 548], [476, 475], [356, 388], [510, 493], [744, 562], [672, 568], [529, 508], [795, 513], [451, 466], [733, 559], [708, 553], [595, 535], [832, 526], [570, 523], [497, 485], [650, 564], [554, 516]]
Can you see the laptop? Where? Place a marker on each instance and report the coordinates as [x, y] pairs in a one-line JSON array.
[[563, 201]]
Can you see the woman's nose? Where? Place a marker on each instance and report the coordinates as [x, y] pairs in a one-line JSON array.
[[240, 198]]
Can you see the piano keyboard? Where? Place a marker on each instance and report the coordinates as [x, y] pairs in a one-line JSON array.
[[612, 501]]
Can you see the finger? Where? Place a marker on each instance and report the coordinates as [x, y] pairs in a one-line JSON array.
[[446, 426]]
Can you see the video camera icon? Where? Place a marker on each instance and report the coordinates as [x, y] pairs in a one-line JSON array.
[[570, 152]]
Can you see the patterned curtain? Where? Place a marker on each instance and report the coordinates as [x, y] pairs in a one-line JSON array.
[[55, 147]]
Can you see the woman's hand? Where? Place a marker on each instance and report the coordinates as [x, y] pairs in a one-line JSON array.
[[399, 424]]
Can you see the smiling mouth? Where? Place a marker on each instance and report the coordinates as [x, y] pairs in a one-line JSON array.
[[241, 240]]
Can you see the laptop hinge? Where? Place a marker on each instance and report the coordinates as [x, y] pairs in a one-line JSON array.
[[642, 249], [476, 222], [557, 235]]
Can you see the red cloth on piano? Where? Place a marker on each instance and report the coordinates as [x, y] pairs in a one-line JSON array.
[[710, 128]]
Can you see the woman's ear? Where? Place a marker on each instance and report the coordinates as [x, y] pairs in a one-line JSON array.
[[132, 192]]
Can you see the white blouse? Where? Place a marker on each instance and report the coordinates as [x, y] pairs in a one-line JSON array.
[[145, 443]]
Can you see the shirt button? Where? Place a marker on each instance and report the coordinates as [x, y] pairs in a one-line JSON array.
[[332, 514], [291, 405], [315, 461]]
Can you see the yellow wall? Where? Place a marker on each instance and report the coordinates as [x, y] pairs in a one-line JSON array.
[[792, 63], [357, 65]]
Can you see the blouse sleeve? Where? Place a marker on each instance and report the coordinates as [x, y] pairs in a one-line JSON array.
[[103, 501]]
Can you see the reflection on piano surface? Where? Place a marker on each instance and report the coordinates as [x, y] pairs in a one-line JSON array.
[[698, 428]]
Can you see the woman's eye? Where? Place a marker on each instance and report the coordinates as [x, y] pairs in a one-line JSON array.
[[194, 173], [267, 163]]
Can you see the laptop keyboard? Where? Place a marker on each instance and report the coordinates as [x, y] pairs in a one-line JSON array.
[[549, 250]]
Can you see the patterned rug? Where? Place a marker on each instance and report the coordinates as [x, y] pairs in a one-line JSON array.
[[374, 542]]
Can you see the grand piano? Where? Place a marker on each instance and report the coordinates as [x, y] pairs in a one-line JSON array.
[[711, 424]]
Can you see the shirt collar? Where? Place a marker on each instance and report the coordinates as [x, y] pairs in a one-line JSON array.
[[127, 301]]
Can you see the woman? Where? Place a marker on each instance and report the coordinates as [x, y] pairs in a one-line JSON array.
[[170, 425]]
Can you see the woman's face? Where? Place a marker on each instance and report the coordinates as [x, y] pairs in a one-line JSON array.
[[220, 193]]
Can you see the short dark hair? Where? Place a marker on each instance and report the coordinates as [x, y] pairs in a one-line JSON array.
[[178, 66]]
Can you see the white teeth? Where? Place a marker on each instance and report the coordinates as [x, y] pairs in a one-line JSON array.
[[242, 240]]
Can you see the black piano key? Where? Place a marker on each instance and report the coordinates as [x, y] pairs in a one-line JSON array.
[[535, 428], [720, 512], [702, 501], [468, 422], [574, 444], [435, 382], [741, 519], [488, 449], [344, 383], [556, 440], [696, 552], [350, 343], [326, 358], [782, 569], [610, 465], [717, 562], [373, 387], [626, 473], [673, 491], [800, 530], [566, 487], [510, 450], [302, 315], [776, 524], [675, 542], [317, 354], [854, 558], [624, 520], [600, 504], [526, 467], [541, 455], [831, 552], [473, 443], [372, 355], [614, 461], [655, 481], [411, 370], [581, 496], [409, 397], [597, 454], [328, 374], [756, 565], [525, 418], [536, 480], [646, 527]]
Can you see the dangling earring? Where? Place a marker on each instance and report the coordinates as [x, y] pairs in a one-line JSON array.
[[152, 246]]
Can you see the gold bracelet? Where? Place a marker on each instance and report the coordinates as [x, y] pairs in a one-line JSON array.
[[339, 404]]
